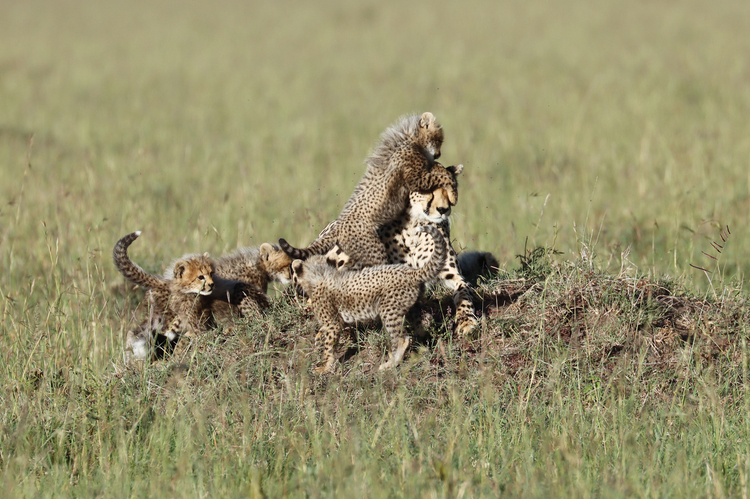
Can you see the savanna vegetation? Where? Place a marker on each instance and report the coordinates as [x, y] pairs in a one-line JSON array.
[[606, 149]]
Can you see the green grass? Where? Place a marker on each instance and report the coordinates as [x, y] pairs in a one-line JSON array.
[[617, 130]]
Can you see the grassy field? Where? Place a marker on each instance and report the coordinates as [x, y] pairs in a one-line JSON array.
[[615, 133]]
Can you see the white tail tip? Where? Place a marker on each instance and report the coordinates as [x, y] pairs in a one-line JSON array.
[[137, 233]]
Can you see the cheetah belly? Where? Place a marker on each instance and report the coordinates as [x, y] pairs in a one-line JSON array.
[[366, 312]]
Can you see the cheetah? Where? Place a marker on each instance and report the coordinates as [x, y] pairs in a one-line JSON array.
[[405, 245], [257, 266], [183, 299], [382, 291], [177, 300], [403, 162]]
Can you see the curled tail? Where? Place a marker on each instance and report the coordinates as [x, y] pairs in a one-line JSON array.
[[130, 269], [320, 246], [437, 261]]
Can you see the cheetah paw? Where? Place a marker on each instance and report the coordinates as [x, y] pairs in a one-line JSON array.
[[327, 368], [137, 346], [466, 325]]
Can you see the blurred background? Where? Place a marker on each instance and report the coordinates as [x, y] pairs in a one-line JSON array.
[[615, 128], [615, 131]]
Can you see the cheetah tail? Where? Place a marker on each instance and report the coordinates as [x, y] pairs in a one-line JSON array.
[[130, 269], [439, 254], [319, 247]]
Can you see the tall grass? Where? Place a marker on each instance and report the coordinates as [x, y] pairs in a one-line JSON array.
[[614, 129]]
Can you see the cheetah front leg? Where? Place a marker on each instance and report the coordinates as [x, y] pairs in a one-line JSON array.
[[329, 333], [174, 330], [331, 327], [185, 327], [466, 320], [399, 341], [169, 339], [190, 320]]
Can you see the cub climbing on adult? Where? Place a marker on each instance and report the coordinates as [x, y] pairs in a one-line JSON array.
[[403, 162]]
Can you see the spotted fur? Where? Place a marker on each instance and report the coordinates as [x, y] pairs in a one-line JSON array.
[[186, 299], [178, 300], [382, 291], [405, 161], [404, 244], [255, 266]]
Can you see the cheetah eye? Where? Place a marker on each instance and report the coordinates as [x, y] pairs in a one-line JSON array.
[[201, 277]]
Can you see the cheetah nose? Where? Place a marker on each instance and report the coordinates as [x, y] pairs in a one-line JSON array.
[[444, 211]]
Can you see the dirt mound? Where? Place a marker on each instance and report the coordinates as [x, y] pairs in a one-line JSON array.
[[541, 315]]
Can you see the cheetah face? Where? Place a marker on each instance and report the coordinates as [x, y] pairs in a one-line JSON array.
[[277, 264], [435, 206], [284, 276], [430, 135], [431, 207], [194, 274]]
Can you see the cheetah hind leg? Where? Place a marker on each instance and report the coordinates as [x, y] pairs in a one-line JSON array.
[[138, 343], [164, 344], [414, 321], [319, 339], [251, 300], [365, 251], [399, 343]]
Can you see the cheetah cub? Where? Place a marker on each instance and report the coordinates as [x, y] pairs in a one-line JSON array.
[[405, 161], [183, 299], [257, 266], [405, 244], [177, 300], [347, 296]]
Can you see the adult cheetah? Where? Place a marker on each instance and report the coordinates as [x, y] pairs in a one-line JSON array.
[[405, 244]]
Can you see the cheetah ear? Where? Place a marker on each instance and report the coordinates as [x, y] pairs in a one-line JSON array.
[[426, 120], [455, 170], [297, 267], [179, 268], [265, 250], [452, 196]]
